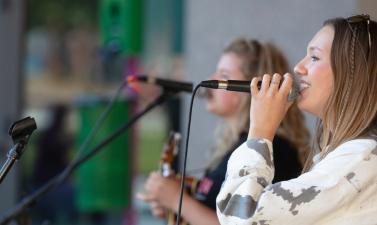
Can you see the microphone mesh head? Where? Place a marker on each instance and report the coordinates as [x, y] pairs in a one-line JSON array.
[[294, 93]]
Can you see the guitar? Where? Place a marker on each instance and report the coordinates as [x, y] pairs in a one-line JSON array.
[[169, 152]]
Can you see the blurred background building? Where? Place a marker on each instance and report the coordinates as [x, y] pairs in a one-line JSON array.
[[74, 55]]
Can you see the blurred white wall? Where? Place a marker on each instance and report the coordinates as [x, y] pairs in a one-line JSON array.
[[212, 24]]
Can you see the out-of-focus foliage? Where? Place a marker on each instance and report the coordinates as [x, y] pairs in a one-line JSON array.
[[61, 14]]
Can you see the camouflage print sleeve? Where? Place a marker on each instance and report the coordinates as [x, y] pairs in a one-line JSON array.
[[250, 170], [321, 195]]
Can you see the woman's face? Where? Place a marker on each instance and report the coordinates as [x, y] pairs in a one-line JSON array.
[[221, 102], [316, 73]]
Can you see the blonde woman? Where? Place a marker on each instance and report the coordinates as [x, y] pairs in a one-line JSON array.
[[339, 86], [242, 60]]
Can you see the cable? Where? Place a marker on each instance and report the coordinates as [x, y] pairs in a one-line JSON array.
[[183, 173], [91, 134], [99, 122]]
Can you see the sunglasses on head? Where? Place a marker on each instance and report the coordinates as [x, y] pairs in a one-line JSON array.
[[361, 18]]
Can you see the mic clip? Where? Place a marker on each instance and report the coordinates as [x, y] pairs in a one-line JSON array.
[[20, 131]]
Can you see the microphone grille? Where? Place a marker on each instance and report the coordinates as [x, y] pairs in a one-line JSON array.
[[294, 93]]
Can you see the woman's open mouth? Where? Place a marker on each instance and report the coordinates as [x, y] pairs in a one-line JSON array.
[[303, 86]]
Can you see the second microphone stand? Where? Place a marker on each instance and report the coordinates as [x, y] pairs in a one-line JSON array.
[[28, 201]]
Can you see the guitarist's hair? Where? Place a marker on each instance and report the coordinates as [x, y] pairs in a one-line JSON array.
[[258, 59]]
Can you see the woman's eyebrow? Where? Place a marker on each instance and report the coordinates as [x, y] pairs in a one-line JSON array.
[[313, 48]]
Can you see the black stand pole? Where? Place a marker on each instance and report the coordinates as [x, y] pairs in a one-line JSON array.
[[13, 155], [26, 202]]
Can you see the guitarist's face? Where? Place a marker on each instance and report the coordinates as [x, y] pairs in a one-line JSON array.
[[226, 103]]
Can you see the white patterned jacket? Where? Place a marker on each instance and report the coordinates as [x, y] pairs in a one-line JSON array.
[[340, 189]]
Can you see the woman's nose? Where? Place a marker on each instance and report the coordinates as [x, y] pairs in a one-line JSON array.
[[300, 68]]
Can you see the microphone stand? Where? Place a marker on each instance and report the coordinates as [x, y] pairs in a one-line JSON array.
[[13, 155], [26, 202]]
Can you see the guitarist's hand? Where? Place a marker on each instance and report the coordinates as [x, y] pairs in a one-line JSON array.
[[164, 191], [157, 210]]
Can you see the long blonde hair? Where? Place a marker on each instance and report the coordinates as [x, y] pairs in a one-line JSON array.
[[258, 59], [351, 109]]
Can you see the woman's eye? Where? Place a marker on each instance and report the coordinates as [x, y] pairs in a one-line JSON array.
[[314, 58]]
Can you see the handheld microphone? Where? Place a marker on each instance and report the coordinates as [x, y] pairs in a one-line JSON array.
[[244, 86], [170, 85]]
